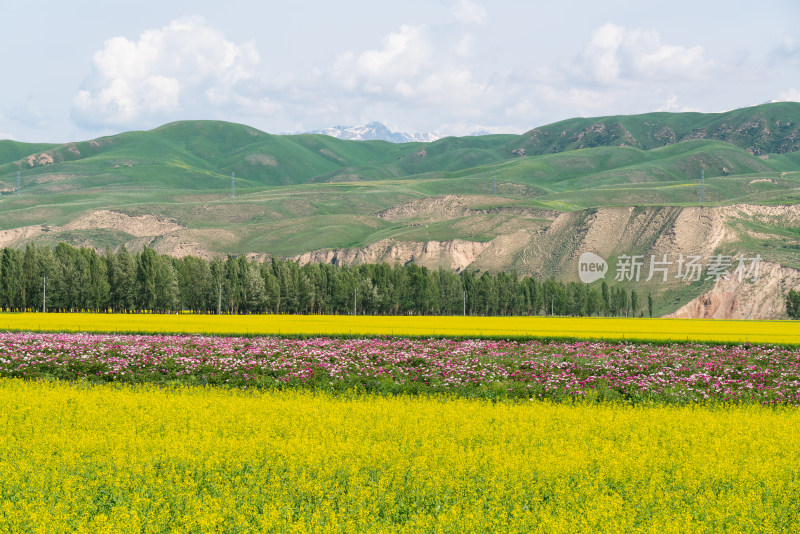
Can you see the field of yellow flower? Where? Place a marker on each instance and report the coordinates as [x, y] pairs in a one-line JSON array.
[[82, 458], [787, 332]]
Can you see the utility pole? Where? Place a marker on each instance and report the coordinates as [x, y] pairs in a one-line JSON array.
[[19, 184], [552, 303], [355, 295], [465, 303], [233, 185], [219, 300], [44, 295], [494, 185]]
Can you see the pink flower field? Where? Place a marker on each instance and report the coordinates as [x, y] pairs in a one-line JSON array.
[[674, 373]]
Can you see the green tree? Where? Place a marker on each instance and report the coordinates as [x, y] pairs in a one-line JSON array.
[[450, 296], [12, 291], [595, 302], [48, 269], [532, 297], [634, 303], [146, 288], [166, 283], [469, 286], [418, 294], [65, 290], [31, 279], [194, 284], [793, 304], [286, 274], [233, 292], [96, 278], [121, 269], [217, 268], [272, 290], [317, 277], [485, 295]]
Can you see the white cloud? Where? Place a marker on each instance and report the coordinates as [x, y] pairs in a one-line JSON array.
[[28, 113], [617, 55], [670, 63], [583, 101], [433, 73], [792, 95], [414, 66], [523, 107], [469, 12], [184, 66], [8, 136], [404, 55], [601, 56], [620, 70], [418, 77], [673, 106], [465, 45], [787, 50]]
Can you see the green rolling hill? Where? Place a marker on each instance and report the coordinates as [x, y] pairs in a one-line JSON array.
[[201, 155], [300, 194], [766, 129]]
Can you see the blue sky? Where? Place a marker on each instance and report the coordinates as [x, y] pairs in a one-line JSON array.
[[79, 70]]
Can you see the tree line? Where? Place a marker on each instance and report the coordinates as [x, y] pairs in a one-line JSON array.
[[66, 278]]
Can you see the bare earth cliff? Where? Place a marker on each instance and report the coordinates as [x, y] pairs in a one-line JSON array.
[[548, 244]]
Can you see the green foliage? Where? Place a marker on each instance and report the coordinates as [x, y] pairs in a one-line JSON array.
[[793, 304], [80, 279]]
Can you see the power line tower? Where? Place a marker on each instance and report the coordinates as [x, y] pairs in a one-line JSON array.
[[702, 186], [233, 185], [19, 183]]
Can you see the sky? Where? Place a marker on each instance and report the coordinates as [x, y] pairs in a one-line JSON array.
[[79, 70]]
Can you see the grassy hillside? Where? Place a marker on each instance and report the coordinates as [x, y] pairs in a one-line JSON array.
[[306, 192], [176, 167], [12, 150], [766, 129], [201, 155]]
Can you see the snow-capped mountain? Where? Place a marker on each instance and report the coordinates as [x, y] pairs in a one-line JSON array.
[[376, 131]]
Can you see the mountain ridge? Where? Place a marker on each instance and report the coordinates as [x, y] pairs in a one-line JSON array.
[[524, 203], [767, 128], [376, 131]]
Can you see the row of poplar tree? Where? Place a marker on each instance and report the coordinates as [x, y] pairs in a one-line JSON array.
[[67, 278]]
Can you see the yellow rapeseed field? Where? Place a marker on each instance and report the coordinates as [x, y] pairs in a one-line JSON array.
[[578, 327], [76, 458]]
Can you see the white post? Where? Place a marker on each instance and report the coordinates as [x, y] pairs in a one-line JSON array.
[[219, 302]]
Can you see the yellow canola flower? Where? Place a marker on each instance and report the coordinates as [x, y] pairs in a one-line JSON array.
[[616, 328], [81, 458]]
